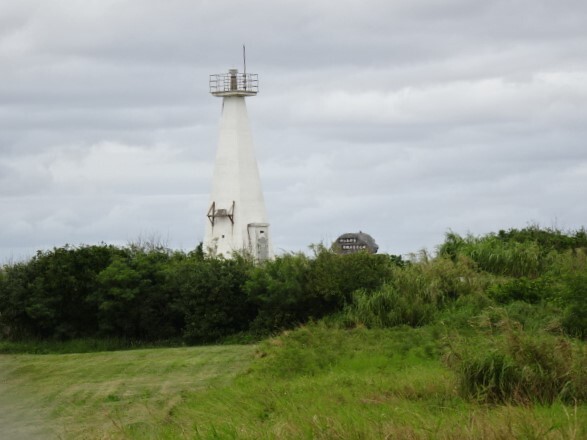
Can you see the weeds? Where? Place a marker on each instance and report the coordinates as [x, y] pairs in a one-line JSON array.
[[386, 307], [509, 365]]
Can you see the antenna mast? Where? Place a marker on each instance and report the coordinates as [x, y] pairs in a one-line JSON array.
[[245, 67]]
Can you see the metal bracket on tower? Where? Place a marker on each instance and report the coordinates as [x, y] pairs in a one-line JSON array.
[[213, 213]]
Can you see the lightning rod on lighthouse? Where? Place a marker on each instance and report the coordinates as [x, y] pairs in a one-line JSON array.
[[237, 220]]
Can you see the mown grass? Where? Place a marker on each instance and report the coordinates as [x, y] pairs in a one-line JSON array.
[[101, 395], [314, 382]]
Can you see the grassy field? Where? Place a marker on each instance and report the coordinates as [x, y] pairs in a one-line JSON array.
[[108, 394], [314, 382]]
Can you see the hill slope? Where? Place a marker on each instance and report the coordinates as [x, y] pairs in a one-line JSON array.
[[314, 382]]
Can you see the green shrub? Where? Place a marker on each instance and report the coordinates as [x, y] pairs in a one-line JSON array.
[[293, 289], [569, 270], [547, 238], [133, 298], [440, 280], [507, 258], [575, 316], [462, 312], [386, 307], [544, 316], [493, 255], [527, 252], [516, 367], [279, 290], [417, 292], [210, 295], [47, 297], [334, 277], [524, 289]]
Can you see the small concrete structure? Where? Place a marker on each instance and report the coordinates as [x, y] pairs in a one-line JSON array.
[[237, 221]]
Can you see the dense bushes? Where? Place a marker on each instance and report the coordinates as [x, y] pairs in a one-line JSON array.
[[47, 296], [294, 288], [524, 289], [148, 292], [279, 290], [133, 298], [209, 295], [575, 297]]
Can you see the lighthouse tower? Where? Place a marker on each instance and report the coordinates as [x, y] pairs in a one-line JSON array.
[[237, 220]]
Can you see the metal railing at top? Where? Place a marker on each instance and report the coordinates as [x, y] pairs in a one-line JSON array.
[[234, 82]]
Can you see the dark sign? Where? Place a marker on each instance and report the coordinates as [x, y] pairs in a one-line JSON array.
[[355, 242]]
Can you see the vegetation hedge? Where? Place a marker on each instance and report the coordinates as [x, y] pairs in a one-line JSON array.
[[146, 292]]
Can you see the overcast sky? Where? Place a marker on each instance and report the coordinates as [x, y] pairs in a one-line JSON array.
[[400, 118]]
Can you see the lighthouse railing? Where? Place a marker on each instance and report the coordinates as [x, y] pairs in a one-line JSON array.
[[234, 82]]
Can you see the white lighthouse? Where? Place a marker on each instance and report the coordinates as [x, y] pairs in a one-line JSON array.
[[237, 221]]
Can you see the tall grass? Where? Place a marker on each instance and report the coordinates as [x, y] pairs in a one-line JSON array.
[[387, 307], [497, 256], [416, 293], [441, 280], [508, 365]]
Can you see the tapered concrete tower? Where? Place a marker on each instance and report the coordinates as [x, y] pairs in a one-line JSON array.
[[237, 220]]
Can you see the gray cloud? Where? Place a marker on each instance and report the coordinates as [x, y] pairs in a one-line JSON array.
[[403, 119]]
